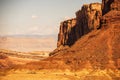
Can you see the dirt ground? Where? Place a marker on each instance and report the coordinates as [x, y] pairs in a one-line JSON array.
[[61, 75]]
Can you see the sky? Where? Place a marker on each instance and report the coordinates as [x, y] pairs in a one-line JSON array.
[[36, 17]]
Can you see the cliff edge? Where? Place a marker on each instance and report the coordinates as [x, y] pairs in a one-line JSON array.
[[92, 39]]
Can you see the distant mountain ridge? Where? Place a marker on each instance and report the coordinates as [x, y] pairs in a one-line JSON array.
[[28, 42], [30, 36]]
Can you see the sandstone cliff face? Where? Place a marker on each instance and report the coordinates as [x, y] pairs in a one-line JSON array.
[[110, 21], [108, 5], [111, 13], [87, 19], [66, 34], [99, 49]]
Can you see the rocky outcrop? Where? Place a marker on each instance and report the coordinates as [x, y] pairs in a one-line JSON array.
[[5, 62], [110, 21], [98, 49], [87, 19], [100, 46], [111, 13], [108, 5], [66, 34]]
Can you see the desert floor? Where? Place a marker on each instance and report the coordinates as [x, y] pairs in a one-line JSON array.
[[61, 75]]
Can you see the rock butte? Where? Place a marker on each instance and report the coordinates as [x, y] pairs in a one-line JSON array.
[[87, 19], [90, 41]]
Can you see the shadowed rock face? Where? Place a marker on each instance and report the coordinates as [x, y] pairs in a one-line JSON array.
[[110, 5], [66, 34], [111, 13], [87, 19]]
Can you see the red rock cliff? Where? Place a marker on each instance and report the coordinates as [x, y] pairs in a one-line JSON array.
[[111, 21], [99, 49], [111, 13], [66, 34], [100, 44], [108, 5], [87, 19]]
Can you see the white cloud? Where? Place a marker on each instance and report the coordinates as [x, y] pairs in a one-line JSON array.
[[34, 16]]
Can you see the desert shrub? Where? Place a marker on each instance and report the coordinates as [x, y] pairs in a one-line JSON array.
[[2, 56], [31, 72]]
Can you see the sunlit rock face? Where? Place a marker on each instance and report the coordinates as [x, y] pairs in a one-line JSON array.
[[110, 21], [87, 19], [97, 38]]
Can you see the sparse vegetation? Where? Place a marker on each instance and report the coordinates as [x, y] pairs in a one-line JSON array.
[[61, 75]]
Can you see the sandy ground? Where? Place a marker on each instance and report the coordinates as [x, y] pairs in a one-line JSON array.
[[61, 75], [39, 75], [17, 60]]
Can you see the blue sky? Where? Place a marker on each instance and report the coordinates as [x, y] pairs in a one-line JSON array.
[[36, 17]]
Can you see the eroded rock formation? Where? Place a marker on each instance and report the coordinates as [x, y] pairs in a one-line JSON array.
[[87, 19], [66, 34], [108, 5], [110, 20], [98, 49]]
